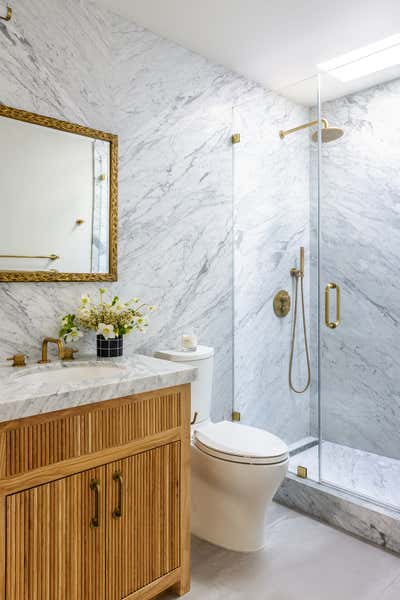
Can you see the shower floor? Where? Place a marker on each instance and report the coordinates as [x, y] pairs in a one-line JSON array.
[[370, 475]]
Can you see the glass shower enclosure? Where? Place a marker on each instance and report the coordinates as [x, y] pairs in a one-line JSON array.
[[334, 189]]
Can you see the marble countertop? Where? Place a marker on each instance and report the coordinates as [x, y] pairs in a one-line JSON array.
[[35, 389]]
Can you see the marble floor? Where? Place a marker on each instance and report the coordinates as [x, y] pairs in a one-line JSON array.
[[303, 560], [370, 475]]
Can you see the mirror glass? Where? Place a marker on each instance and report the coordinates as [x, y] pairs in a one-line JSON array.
[[55, 204]]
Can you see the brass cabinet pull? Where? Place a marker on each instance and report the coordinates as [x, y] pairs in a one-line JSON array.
[[328, 323], [95, 487], [117, 513]]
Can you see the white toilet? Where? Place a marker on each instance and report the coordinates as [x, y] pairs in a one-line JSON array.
[[236, 469]]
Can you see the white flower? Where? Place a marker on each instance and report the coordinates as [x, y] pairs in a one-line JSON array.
[[152, 308], [107, 331], [85, 300], [119, 307], [83, 312], [73, 335]]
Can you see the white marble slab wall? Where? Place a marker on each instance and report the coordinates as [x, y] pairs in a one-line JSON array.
[[172, 110], [360, 215], [272, 204]]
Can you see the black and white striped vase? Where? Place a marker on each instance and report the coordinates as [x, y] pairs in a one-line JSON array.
[[110, 348]]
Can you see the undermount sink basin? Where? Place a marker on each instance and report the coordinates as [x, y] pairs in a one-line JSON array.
[[73, 374]]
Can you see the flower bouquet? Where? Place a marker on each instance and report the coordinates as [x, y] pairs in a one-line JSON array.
[[110, 318]]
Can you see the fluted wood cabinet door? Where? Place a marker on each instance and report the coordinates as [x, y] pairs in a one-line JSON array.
[[143, 498], [53, 550]]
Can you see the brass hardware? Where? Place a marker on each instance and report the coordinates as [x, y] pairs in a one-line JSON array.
[[117, 513], [95, 487], [299, 275], [196, 414], [45, 344], [299, 272], [80, 221], [302, 260], [102, 177], [68, 353], [302, 472], [9, 14], [235, 138], [328, 323], [19, 360], [283, 134], [327, 134], [282, 303], [39, 276], [49, 256], [236, 415]]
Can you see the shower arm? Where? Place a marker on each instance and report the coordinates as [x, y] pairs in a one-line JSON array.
[[283, 134]]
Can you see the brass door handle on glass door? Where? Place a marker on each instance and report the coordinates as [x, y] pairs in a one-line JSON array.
[[328, 322]]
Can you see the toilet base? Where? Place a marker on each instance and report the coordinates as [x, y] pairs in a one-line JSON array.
[[230, 500]]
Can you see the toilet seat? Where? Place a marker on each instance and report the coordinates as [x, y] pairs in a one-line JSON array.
[[238, 443]]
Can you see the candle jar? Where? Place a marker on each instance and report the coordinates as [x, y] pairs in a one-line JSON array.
[[189, 341]]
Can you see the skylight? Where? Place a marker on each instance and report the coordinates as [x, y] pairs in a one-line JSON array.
[[365, 61]]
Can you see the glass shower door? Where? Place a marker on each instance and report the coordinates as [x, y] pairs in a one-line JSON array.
[[359, 320]]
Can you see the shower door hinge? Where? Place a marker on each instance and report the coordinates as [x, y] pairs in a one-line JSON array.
[[235, 138], [302, 472], [236, 415]]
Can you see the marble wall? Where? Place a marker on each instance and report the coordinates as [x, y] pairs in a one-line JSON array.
[[172, 110], [360, 215], [272, 217]]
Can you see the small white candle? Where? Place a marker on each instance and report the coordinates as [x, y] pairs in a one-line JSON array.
[[189, 341]]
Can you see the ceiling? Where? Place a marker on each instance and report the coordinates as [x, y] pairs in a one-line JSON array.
[[273, 42]]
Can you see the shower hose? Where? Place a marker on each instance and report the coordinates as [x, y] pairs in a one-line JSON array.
[[292, 342]]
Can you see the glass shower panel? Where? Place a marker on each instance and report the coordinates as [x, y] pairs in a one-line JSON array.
[[274, 189], [359, 262]]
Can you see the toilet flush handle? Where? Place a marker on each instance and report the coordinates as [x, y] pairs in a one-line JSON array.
[[196, 414]]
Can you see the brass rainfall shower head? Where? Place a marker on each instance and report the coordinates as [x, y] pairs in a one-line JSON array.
[[328, 133]]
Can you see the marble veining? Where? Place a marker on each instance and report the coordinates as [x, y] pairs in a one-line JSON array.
[[379, 525], [127, 377], [272, 204], [360, 249], [172, 111], [370, 475]]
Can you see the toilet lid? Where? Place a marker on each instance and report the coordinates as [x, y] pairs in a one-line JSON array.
[[240, 443]]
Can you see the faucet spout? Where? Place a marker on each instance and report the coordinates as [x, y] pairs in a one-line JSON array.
[[45, 344]]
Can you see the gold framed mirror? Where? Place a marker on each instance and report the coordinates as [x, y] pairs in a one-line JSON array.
[[58, 200]]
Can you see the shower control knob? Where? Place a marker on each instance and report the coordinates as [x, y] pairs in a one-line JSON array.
[[282, 303]]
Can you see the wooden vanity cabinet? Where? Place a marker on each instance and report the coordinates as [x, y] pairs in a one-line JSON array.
[[94, 501]]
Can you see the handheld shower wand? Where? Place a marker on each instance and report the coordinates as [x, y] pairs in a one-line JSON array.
[[299, 275]]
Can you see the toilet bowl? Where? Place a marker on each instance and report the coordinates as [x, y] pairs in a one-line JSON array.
[[236, 469]]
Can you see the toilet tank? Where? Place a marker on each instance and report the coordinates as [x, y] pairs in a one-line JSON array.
[[203, 360]]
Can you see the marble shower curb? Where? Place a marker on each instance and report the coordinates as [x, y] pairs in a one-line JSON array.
[[378, 525]]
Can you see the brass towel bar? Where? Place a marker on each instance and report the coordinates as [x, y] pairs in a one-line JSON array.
[[9, 14], [49, 256]]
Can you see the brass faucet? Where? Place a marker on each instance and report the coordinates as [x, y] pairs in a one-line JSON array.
[[45, 344]]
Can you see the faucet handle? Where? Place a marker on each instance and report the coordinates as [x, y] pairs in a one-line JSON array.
[[68, 353], [19, 360]]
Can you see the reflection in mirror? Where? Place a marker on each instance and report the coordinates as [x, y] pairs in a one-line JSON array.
[[55, 201]]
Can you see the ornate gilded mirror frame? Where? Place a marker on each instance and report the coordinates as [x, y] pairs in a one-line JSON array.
[[112, 275]]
